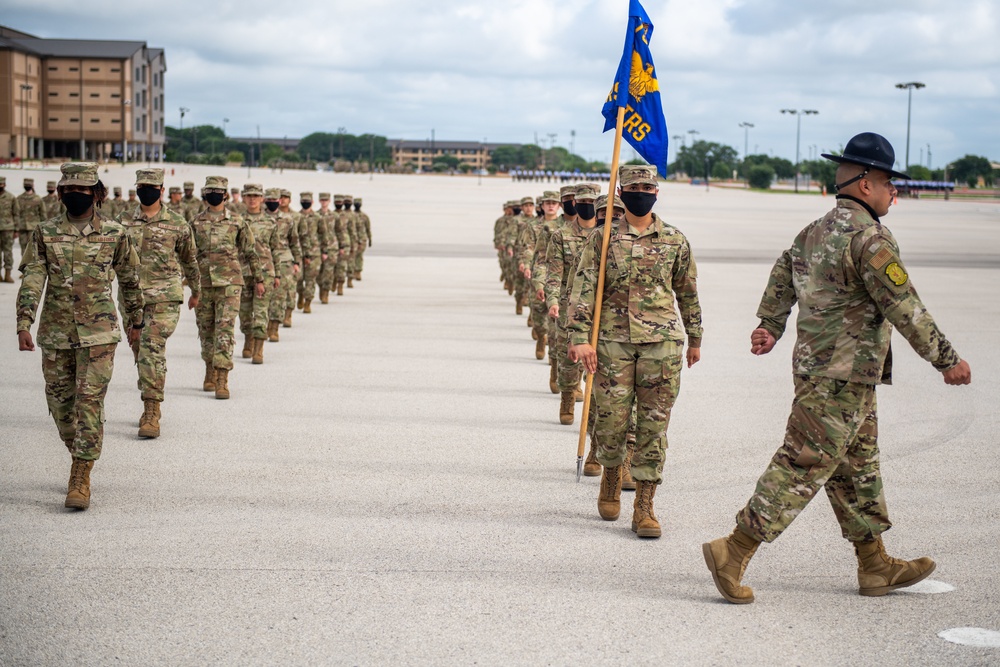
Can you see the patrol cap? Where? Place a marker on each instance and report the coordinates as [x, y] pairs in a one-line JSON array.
[[3, 180], [272, 193], [602, 202], [567, 191], [527, 200], [348, 198], [357, 200], [538, 201], [79, 173], [174, 190], [29, 182], [216, 183], [236, 191], [338, 198], [253, 189], [117, 189], [630, 174], [131, 192], [150, 176], [549, 195], [587, 192], [286, 193], [324, 196], [189, 185], [305, 196]]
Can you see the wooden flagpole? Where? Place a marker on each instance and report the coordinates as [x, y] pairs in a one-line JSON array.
[[599, 300]]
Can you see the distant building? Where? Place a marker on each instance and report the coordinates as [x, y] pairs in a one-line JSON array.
[[80, 98], [421, 154]]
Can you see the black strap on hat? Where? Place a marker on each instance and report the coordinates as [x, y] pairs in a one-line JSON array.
[[840, 186]]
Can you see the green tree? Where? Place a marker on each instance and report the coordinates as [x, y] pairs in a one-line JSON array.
[[760, 176], [236, 156], [722, 171], [969, 168], [919, 172], [446, 162], [702, 156], [822, 171]]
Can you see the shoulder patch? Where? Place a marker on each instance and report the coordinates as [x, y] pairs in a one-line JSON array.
[[896, 274], [880, 258]]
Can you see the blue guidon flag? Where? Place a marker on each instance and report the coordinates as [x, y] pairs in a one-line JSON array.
[[637, 89]]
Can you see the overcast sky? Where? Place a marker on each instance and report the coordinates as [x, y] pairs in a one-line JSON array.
[[508, 69]]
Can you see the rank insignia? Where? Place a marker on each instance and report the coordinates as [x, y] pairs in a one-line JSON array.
[[896, 274]]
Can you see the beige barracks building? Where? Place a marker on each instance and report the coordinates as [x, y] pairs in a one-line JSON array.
[[80, 99]]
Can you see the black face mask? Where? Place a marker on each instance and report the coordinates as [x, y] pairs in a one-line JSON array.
[[148, 196], [214, 198], [517, 210], [357, 207], [305, 205], [570, 209], [585, 211], [272, 206], [77, 203], [338, 207], [638, 203], [51, 192], [28, 188]]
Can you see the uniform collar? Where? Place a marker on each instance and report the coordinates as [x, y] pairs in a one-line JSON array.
[[844, 200], [93, 227], [655, 229]]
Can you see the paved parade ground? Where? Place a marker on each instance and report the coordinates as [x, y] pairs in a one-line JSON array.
[[393, 486]]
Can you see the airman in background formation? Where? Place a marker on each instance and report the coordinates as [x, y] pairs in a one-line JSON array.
[[309, 222], [357, 240], [166, 249], [53, 206], [10, 213], [174, 202], [254, 306], [222, 239], [234, 205], [365, 231], [113, 207], [287, 264], [343, 231], [73, 259], [192, 205], [32, 212]]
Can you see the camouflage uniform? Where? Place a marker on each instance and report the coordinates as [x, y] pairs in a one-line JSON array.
[[844, 272], [175, 206], [78, 330], [359, 239], [309, 222], [10, 214], [32, 212], [234, 205], [328, 224], [221, 239], [53, 206], [114, 206], [641, 335], [344, 231], [364, 225], [285, 259], [166, 248], [191, 204], [253, 309], [527, 243]]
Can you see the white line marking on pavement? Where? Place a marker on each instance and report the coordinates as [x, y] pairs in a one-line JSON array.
[[928, 587], [978, 637]]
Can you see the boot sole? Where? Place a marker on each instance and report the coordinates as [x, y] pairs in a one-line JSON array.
[[706, 550], [149, 434], [879, 591], [566, 421], [645, 532], [77, 504], [610, 517], [628, 486]]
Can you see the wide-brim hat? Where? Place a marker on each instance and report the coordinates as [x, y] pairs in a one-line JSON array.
[[869, 150]]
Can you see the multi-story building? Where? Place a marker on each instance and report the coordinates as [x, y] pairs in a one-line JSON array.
[[80, 99], [421, 154]]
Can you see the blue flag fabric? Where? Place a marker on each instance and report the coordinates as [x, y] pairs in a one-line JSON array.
[[637, 89]]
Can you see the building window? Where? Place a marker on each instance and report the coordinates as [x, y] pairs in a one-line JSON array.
[[74, 94], [116, 95], [138, 125], [95, 94], [74, 120], [116, 69], [74, 69], [95, 120], [143, 123], [156, 103], [53, 120], [137, 73], [53, 69], [116, 120], [53, 94], [95, 69]]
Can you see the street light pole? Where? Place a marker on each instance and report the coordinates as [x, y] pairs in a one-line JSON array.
[[746, 150], [125, 104], [225, 121], [184, 110], [908, 87], [693, 134], [24, 119], [798, 113]]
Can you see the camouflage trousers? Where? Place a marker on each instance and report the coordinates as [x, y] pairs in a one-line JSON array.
[[284, 295], [254, 309], [23, 239], [216, 314], [327, 271], [344, 262], [7, 248], [831, 440], [645, 377], [160, 322], [540, 320], [306, 285], [359, 258], [76, 382], [568, 374]]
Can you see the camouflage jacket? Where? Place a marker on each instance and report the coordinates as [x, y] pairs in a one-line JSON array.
[[166, 247], [336, 233], [177, 208], [561, 257], [237, 208], [53, 206], [10, 212], [32, 211], [289, 250], [845, 273], [328, 243], [221, 239], [499, 227], [645, 274], [79, 310], [113, 207], [358, 233], [364, 226], [539, 268], [267, 244], [308, 227], [342, 228], [192, 207]]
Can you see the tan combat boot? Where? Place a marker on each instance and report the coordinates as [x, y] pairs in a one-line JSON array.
[[149, 423], [324, 295], [78, 494], [510, 288], [357, 275], [287, 323], [727, 559], [609, 499], [258, 351], [340, 288], [221, 383], [307, 308], [566, 408], [530, 322], [6, 276], [209, 383], [879, 573], [628, 484], [247, 346], [519, 309], [540, 347], [272, 331], [644, 523], [578, 394], [534, 334], [591, 468], [350, 280]]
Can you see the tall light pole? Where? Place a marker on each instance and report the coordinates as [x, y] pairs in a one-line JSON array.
[[746, 138], [184, 110], [125, 104], [908, 87], [25, 88], [798, 113], [225, 121]]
